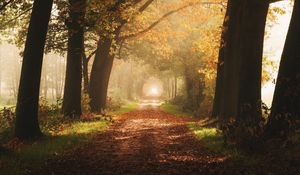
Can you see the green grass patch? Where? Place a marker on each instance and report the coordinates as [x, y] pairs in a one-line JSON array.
[[212, 139], [175, 110], [33, 155], [128, 107]]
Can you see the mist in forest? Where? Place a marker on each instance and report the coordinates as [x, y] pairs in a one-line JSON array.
[[160, 57], [149, 87]]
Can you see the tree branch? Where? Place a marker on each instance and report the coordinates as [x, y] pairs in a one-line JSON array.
[[272, 1], [15, 18], [145, 6], [116, 6], [153, 24], [2, 7], [162, 18], [91, 55]]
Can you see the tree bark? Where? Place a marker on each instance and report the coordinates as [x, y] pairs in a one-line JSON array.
[[72, 90], [27, 125], [85, 72], [229, 99], [44, 79], [168, 88], [241, 93], [286, 101], [0, 76], [251, 53], [175, 87], [220, 68], [100, 75]]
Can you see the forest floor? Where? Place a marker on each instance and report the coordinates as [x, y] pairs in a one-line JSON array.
[[146, 141], [149, 141]]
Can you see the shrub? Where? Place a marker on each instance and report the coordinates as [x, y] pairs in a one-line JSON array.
[[7, 118], [113, 104], [46, 109], [85, 103]]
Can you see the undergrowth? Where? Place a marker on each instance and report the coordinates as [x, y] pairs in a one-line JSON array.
[[175, 110], [60, 135], [19, 157], [273, 160]]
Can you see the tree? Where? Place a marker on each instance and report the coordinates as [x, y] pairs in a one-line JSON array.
[[241, 96], [220, 68], [100, 74], [250, 56], [286, 100], [27, 106], [104, 57], [72, 90], [99, 84]]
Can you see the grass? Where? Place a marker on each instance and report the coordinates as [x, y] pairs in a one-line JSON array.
[[61, 135], [212, 138], [236, 159], [128, 107], [175, 110], [21, 158]]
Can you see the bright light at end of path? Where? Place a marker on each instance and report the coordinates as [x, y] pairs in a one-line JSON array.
[[154, 91]]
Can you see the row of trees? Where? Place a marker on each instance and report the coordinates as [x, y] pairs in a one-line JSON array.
[[83, 22], [52, 79], [238, 85], [88, 28]]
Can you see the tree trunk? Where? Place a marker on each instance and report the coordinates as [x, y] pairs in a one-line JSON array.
[[168, 87], [100, 74], [251, 53], [220, 68], [175, 87], [27, 125], [130, 84], [0, 76], [85, 72], [190, 85], [241, 93], [286, 101], [230, 77], [72, 90], [172, 87]]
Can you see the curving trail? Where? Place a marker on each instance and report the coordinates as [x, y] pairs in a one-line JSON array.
[[143, 142]]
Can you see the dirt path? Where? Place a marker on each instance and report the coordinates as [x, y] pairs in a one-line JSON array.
[[143, 142]]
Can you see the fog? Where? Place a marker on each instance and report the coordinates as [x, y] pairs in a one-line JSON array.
[[157, 63]]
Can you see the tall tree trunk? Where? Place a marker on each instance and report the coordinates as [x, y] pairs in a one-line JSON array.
[[241, 93], [175, 87], [100, 74], [72, 90], [251, 53], [85, 72], [286, 101], [190, 84], [168, 87], [220, 68], [0, 76], [172, 87], [44, 79], [139, 88], [230, 77], [130, 83], [27, 125]]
